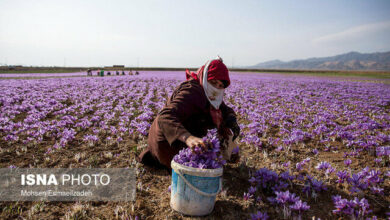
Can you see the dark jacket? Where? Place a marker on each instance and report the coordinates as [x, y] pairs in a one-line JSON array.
[[186, 113]]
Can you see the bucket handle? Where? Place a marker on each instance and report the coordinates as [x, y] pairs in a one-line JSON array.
[[196, 189]]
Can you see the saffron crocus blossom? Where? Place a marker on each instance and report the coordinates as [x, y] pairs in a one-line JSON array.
[[383, 151], [355, 208], [298, 208], [289, 201], [264, 178], [301, 164], [286, 176], [247, 196], [91, 139], [323, 165], [347, 162], [285, 197], [377, 190], [236, 150], [252, 190], [259, 216], [312, 187], [287, 164], [365, 179], [342, 176]]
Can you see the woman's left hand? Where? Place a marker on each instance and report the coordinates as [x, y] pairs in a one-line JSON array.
[[232, 124]]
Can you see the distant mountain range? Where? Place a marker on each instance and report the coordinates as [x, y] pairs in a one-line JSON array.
[[348, 61]]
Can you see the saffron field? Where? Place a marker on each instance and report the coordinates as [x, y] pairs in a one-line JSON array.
[[310, 147]]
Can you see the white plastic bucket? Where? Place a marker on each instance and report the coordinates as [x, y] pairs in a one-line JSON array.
[[193, 190]]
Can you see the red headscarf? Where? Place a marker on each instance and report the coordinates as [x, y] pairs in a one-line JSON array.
[[216, 70]]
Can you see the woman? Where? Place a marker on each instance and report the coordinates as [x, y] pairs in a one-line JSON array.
[[194, 107]]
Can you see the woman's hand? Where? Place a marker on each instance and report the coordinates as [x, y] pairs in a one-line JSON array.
[[232, 124], [193, 142]]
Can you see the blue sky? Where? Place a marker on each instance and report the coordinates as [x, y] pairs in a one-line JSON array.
[[186, 33]]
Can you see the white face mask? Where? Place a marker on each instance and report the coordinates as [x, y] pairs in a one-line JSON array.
[[215, 93]]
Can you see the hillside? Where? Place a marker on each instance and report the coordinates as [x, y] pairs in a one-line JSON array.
[[348, 61]]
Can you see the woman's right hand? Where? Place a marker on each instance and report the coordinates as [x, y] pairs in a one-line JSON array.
[[193, 142]]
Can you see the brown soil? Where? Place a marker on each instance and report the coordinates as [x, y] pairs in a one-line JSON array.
[[153, 198]]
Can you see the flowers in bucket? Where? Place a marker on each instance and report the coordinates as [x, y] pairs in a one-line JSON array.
[[200, 158]]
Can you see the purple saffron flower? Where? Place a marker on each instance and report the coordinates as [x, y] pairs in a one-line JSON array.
[[329, 171], [300, 206], [285, 197], [286, 176], [259, 216], [347, 162], [323, 165], [313, 186], [299, 166], [383, 151], [356, 209], [287, 164], [342, 176], [247, 196], [236, 150], [377, 190], [252, 190]]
